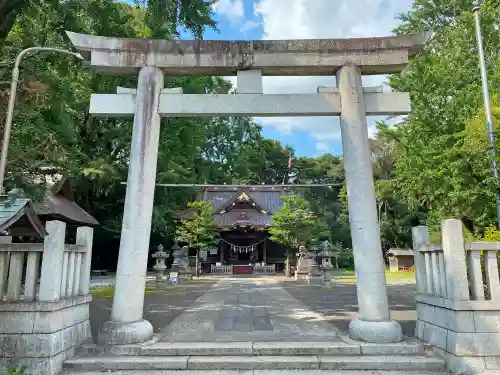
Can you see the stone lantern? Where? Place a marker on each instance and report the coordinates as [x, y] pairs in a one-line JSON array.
[[160, 266]]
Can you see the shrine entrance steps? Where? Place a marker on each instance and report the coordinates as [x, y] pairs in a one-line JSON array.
[[254, 325], [199, 357]]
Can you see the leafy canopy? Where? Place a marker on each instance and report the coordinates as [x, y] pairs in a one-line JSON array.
[[201, 231], [295, 224]]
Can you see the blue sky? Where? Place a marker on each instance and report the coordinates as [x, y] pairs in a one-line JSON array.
[[306, 19]]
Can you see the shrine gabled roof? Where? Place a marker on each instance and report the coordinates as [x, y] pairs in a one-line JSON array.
[[18, 215], [59, 204], [269, 199], [266, 198]]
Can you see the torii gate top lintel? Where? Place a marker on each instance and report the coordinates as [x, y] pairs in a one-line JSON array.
[[308, 57]]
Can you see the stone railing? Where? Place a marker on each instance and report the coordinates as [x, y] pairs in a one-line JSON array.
[[223, 269], [12, 260], [458, 298], [44, 299], [264, 270]]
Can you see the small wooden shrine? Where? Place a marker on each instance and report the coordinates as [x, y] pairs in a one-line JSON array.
[[400, 259], [20, 217]]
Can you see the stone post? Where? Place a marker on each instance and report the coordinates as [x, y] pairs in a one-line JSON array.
[[420, 236], [127, 325], [84, 237], [52, 262], [454, 260], [374, 323]]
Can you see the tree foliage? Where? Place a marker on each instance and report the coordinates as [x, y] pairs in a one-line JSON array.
[[437, 172], [434, 165], [295, 224], [201, 231]]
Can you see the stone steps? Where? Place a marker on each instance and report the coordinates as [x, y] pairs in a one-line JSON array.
[[154, 348], [198, 357], [261, 372], [395, 363]]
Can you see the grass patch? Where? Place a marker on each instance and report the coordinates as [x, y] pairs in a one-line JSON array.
[[102, 291], [349, 277], [108, 291]]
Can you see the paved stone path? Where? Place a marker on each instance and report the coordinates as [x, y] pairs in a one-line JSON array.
[[338, 303], [257, 309], [159, 308]]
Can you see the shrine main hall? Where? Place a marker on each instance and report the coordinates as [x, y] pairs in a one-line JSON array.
[[243, 216]]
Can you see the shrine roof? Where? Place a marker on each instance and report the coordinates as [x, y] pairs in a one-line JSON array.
[[268, 198], [381, 55], [18, 217], [59, 204], [400, 252]]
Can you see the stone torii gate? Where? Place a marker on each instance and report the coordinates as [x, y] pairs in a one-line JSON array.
[[349, 59]]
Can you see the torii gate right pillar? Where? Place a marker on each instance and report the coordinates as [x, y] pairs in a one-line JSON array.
[[374, 323]]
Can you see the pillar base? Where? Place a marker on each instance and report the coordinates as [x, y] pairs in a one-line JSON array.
[[119, 333], [385, 332]]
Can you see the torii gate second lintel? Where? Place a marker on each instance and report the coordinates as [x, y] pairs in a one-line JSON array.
[[249, 61]]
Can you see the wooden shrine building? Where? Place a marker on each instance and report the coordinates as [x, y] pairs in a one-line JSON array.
[[243, 216]]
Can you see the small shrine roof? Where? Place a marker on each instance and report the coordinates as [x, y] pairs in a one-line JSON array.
[[59, 204], [400, 252], [18, 216]]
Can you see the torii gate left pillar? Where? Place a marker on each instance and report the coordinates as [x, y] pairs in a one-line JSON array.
[[127, 324], [350, 58]]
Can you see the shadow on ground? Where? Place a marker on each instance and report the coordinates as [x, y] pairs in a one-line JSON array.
[[339, 302], [161, 306]]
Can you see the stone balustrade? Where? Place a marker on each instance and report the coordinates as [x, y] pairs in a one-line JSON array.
[[12, 271], [44, 299], [222, 269], [458, 298]]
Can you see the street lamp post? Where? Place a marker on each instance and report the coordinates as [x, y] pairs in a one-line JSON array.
[[487, 104], [12, 102]]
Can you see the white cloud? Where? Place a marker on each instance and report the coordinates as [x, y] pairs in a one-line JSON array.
[[232, 9], [249, 25], [306, 19], [322, 146]]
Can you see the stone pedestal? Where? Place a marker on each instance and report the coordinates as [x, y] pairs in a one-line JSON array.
[[126, 325], [181, 263], [315, 276], [42, 335], [374, 323], [300, 275], [303, 267]]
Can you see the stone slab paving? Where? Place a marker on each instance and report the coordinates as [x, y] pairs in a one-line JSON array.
[[338, 302], [256, 309], [160, 307], [247, 309]]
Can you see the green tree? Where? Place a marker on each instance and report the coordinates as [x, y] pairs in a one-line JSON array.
[[200, 231], [295, 225], [51, 116], [437, 173]]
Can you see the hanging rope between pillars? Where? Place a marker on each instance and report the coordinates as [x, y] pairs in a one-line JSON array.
[[243, 249]]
